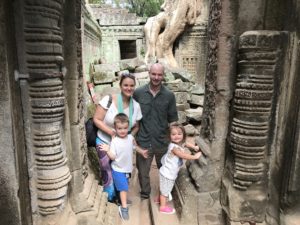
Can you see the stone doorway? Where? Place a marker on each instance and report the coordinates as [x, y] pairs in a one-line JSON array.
[[127, 49]]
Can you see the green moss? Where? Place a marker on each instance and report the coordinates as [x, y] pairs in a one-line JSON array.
[[90, 110], [93, 158]]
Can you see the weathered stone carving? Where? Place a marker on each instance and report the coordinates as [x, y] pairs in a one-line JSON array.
[[49, 173], [252, 107], [191, 50], [162, 30], [259, 71]]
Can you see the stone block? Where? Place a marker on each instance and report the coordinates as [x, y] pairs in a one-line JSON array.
[[183, 75], [194, 114], [247, 205], [181, 117], [99, 88], [182, 107], [142, 68], [141, 75], [181, 97], [197, 89], [120, 73], [103, 77], [192, 205], [204, 146], [130, 64], [197, 99], [190, 130], [114, 67], [168, 77], [178, 85]]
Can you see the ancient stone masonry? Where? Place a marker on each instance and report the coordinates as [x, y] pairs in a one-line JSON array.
[[191, 51], [48, 170], [259, 71], [122, 33]]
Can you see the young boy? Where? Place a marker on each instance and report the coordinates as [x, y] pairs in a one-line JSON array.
[[120, 152]]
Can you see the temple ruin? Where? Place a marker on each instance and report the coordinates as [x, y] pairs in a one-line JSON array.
[[232, 65]]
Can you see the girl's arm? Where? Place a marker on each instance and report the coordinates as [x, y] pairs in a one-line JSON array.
[[184, 155], [98, 121], [105, 147], [192, 146]]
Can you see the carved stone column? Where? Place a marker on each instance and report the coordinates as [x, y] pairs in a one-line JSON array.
[[41, 79], [245, 182]]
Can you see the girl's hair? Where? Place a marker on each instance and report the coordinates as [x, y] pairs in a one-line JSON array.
[[121, 118], [126, 75], [177, 126]]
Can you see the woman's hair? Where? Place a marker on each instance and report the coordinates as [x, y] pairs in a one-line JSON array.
[[177, 126], [121, 118], [125, 75]]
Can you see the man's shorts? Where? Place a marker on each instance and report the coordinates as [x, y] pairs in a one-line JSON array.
[[120, 180]]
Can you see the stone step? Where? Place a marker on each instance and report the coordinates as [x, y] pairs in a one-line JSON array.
[[111, 215], [157, 217], [93, 193], [139, 212]]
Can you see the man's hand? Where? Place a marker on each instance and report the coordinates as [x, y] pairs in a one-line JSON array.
[[143, 152]]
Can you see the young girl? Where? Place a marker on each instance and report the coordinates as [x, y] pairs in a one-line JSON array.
[[171, 163]]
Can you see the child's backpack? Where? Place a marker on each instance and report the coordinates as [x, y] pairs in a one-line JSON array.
[[91, 129]]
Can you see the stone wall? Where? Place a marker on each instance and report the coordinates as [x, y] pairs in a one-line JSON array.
[[44, 174], [118, 25], [14, 190], [91, 41]]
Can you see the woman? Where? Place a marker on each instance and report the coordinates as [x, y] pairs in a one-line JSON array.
[[104, 118]]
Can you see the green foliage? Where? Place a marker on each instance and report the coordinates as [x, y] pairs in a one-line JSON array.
[[96, 1], [144, 8], [142, 52]]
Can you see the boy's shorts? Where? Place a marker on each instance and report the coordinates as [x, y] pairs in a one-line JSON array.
[[120, 180]]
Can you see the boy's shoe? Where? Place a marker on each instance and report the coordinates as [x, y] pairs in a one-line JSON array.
[[167, 210], [124, 214]]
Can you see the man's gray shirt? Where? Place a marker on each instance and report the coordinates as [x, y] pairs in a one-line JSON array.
[[157, 112]]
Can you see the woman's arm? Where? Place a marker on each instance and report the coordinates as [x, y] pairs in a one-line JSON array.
[[98, 121], [184, 155], [135, 129]]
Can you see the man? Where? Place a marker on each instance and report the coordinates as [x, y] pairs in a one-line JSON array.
[[158, 107]]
